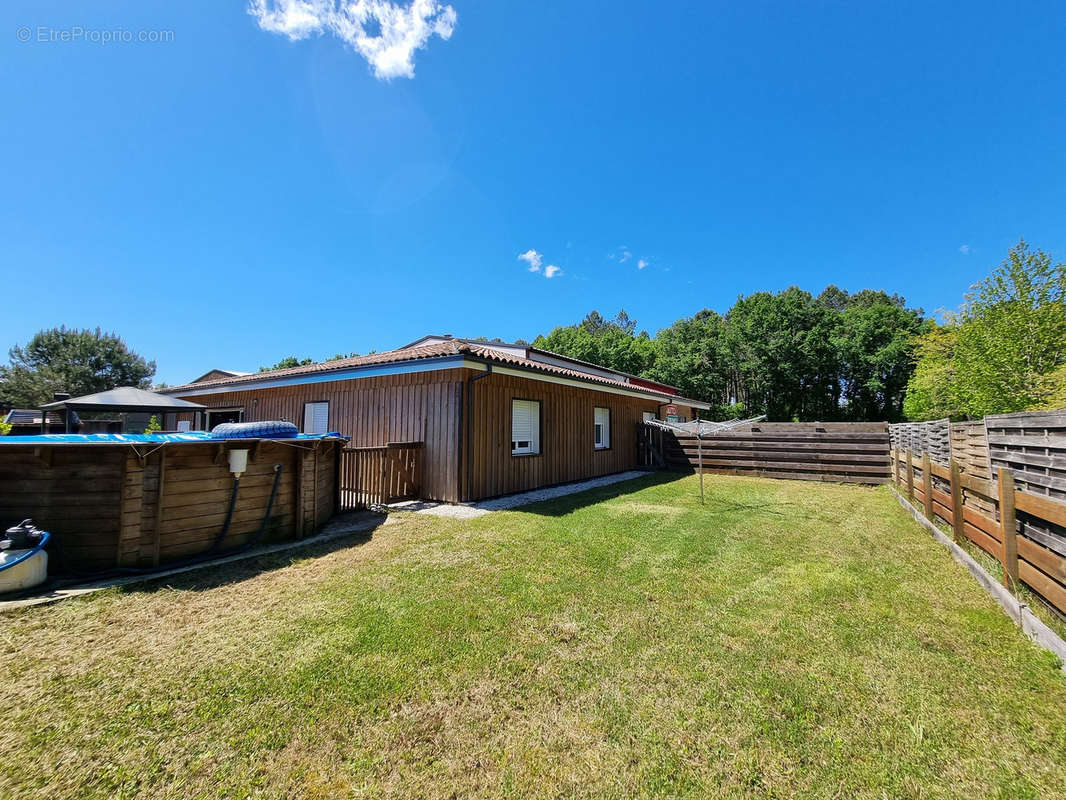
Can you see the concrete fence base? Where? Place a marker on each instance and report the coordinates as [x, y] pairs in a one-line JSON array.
[[1033, 627]]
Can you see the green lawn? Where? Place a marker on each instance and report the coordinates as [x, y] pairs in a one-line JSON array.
[[784, 640]]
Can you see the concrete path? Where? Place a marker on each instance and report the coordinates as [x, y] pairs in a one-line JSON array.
[[471, 510]]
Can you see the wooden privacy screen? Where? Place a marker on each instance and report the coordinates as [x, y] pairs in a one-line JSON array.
[[969, 446], [109, 505], [1033, 446], [933, 437], [849, 452], [378, 475], [1025, 532]]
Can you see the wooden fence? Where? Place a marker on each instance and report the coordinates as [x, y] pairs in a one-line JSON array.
[[969, 446], [933, 437], [374, 476], [848, 452], [1033, 446], [1025, 532]]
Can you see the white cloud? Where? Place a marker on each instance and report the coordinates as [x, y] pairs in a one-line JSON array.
[[642, 263], [533, 258], [624, 257], [965, 249], [385, 33]]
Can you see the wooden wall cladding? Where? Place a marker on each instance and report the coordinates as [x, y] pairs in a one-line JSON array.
[[419, 407], [567, 451]]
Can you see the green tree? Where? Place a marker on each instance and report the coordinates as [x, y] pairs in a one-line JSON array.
[[788, 355], [932, 392], [1004, 351], [67, 360], [1056, 391], [288, 363], [875, 343], [614, 344], [782, 362], [692, 356], [1011, 334]]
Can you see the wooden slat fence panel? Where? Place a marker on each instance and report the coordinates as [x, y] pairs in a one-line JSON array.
[[1032, 445], [1030, 541], [969, 446], [834, 452], [374, 476], [932, 437]]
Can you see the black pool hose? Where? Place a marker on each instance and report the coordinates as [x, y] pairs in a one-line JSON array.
[[206, 555]]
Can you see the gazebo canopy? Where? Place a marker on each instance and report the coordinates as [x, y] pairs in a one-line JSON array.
[[124, 398]]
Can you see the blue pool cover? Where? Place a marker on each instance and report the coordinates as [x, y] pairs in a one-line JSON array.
[[143, 438]]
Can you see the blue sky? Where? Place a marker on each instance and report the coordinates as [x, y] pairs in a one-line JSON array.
[[238, 193]]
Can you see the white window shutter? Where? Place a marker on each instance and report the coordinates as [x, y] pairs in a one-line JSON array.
[[602, 421], [316, 417], [521, 427], [525, 426]]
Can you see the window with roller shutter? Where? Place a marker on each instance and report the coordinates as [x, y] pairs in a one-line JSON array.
[[525, 427], [601, 428], [316, 417]]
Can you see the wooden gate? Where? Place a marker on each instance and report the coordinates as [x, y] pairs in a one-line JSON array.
[[376, 476], [650, 447]]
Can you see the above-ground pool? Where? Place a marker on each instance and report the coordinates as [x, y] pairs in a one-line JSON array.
[[116, 500]]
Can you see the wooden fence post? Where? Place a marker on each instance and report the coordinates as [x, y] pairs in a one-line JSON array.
[[910, 476], [1008, 528], [927, 485], [895, 466], [956, 501]]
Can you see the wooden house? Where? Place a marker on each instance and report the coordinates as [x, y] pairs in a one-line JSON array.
[[489, 418]]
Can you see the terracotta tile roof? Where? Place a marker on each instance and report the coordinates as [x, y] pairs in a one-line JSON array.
[[415, 353], [453, 347], [499, 357]]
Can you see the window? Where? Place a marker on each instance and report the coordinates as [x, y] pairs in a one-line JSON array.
[[525, 427], [601, 425], [316, 417], [648, 416], [219, 416]]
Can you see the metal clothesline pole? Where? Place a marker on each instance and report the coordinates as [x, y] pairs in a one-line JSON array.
[[699, 453]]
